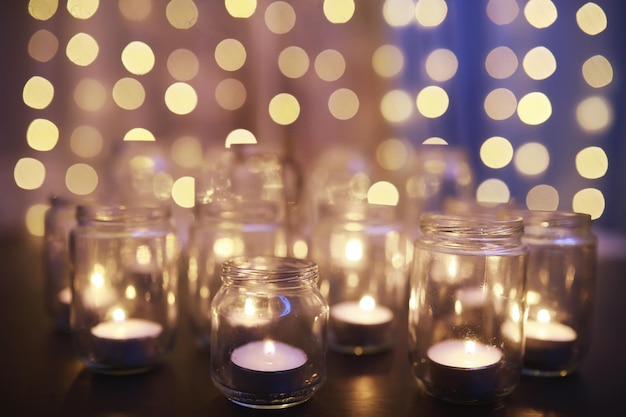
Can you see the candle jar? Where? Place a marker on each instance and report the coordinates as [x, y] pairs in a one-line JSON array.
[[221, 231], [268, 338], [58, 222], [560, 288], [124, 287], [466, 306], [362, 253]]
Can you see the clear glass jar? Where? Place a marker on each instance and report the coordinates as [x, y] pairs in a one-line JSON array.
[[58, 222], [268, 339], [560, 289], [221, 231], [466, 307], [362, 253], [124, 287]]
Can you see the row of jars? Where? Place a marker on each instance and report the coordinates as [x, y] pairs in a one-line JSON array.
[[489, 295]]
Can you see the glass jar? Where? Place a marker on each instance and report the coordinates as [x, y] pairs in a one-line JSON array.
[[560, 288], [466, 307], [221, 231], [125, 286], [58, 222], [362, 253], [268, 338]]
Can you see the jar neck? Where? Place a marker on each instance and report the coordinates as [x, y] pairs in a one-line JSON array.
[[277, 272], [119, 215], [473, 229]]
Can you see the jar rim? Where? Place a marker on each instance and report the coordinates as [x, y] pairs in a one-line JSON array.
[[268, 269], [119, 213], [554, 219], [478, 224]]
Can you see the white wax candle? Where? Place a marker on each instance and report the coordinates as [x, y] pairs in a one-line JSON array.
[[549, 331], [357, 313], [127, 329], [268, 356], [465, 354], [65, 296]]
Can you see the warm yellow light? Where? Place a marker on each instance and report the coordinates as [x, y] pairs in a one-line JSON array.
[[496, 152], [501, 62], [81, 179], [330, 65], [181, 98], [591, 19], [135, 10], [90, 94], [138, 58], [532, 158], [431, 13], [82, 9], [441, 64], [29, 173], [542, 197], [42, 9], [598, 71], [280, 17], [182, 14], [43, 46], [186, 151], [130, 292], [230, 94], [354, 250], [230, 54], [392, 154], [500, 104], [339, 11], [396, 106], [293, 62], [183, 192], [384, 193], [594, 114], [539, 63], [284, 109], [432, 101], [398, 13], [42, 135], [82, 49], [592, 162], [139, 134], [128, 93], [38, 92], [183, 65], [35, 216], [86, 141], [388, 61], [590, 201], [435, 141], [240, 8], [239, 137], [343, 104], [162, 186], [540, 13], [534, 108], [493, 191]]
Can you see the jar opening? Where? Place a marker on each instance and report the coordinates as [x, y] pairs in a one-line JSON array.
[[114, 214], [269, 270]]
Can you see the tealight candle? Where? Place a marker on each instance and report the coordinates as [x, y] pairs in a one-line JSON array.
[[549, 345], [464, 370], [125, 344], [360, 325], [268, 367]]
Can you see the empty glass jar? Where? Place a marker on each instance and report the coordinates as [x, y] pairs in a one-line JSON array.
[[268, 338], [124, 287], [560, 289], [220, 231], [362, 253], [466, 307]]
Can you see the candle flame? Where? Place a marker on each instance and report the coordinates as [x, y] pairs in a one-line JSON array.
[[248, 308], [97, 277], [470, 347], [354, 250], [119, 315], [543, 316], [367, 303], [269, 348]]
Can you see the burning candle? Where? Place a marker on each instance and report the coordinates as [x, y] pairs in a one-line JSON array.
[[249, 316], [464, 370], [363, 325], [123, 343], [268, 367], [549, 344]]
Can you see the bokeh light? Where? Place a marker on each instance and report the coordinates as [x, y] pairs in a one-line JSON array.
[[81, 179], [496, 152], [29, 173], [532, 158], [542, 197], [42, 135], [38, 92]]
